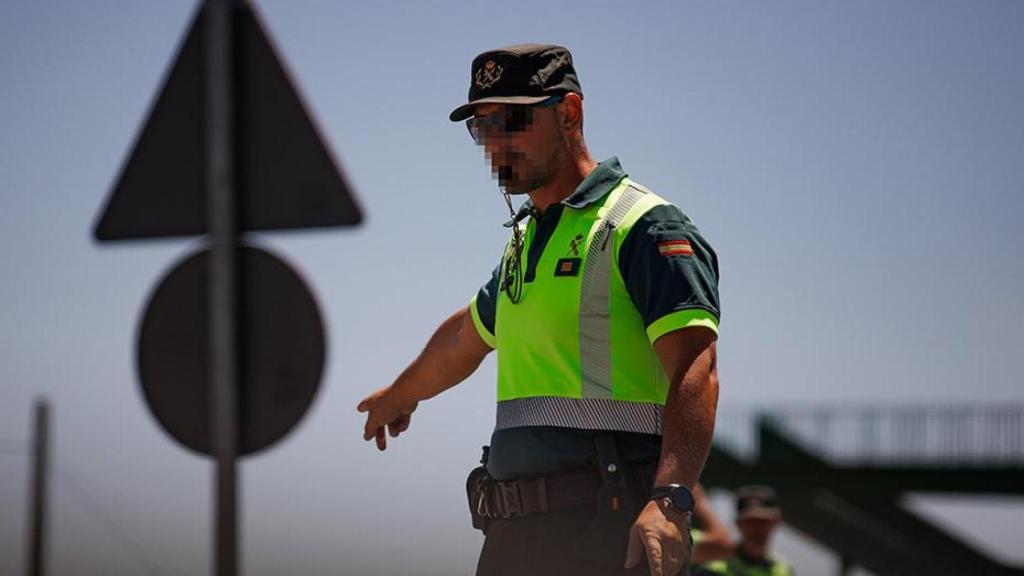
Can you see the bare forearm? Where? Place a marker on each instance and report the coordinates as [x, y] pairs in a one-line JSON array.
[[689, 423], [689, 418], [450, 356]]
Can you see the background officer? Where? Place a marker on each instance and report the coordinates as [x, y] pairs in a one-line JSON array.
[[757, 517], [711, 538], [604, 313]]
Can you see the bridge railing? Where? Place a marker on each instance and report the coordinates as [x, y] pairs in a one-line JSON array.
[[892, 436]]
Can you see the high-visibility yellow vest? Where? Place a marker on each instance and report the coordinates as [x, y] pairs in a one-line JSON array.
[[737, 567], [574, 351]]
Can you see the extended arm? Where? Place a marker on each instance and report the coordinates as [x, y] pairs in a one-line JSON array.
[[715, 542], [450, 356]]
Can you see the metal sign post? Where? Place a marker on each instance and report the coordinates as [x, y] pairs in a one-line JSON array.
[[231, 346], [220, 194]]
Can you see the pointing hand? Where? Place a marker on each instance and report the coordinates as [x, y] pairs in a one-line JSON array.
[[385, 410]]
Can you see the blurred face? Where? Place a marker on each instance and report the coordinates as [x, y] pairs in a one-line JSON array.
[[757, 530], [523, 144]]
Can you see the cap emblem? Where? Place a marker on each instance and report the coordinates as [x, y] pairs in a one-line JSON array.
[[488, 75]]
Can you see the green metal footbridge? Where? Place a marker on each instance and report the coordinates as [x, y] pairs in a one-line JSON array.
[[842, 475]]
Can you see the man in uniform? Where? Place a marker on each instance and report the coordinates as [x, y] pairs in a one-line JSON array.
[[757, 517], [604, 313]]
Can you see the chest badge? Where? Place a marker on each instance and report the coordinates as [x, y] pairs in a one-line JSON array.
[[574, 245], [567, 267]]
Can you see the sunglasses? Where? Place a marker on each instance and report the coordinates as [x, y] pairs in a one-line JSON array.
[[514, 118]]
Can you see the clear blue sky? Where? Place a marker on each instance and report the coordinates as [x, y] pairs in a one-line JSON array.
[[857, 165]]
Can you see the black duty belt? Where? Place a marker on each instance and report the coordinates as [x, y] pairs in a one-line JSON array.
[[497, 499]]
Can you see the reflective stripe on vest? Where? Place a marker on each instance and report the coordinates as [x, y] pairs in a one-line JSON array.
[[595, 310], [595, 409]]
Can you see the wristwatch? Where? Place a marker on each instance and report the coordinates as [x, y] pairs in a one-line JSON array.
[[678, 496]]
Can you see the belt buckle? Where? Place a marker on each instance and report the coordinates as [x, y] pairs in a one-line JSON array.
[[511, 502]]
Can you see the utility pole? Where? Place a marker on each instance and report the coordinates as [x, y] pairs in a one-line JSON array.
[[38, 489]]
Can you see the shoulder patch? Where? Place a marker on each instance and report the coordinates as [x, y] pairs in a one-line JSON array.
[[675, 248]]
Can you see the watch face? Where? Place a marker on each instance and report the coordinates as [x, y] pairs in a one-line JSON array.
[[681, 498]]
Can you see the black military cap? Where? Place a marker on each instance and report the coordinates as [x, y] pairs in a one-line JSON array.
[[757, 502], [522, 74]]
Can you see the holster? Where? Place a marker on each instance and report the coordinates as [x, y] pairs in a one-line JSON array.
[[479, 489]]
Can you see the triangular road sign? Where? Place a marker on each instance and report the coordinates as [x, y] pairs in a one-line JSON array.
[[285, 175]]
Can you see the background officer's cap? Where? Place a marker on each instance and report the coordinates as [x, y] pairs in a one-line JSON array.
[[757, 502]]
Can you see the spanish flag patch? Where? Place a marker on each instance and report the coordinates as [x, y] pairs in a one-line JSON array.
[[567, 267], [675, 248]]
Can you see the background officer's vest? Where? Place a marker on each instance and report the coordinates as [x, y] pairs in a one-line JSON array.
[[736, 567], [574, 351]]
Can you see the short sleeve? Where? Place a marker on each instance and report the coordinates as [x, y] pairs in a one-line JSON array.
[[483, 308], [671, 272]]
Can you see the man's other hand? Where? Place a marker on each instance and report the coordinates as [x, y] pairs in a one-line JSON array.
[[384, 409], [662, 533]]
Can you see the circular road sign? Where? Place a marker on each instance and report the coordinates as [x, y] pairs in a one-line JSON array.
[[280, 342]]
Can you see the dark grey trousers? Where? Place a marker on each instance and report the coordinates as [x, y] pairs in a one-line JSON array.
[[559, 543]]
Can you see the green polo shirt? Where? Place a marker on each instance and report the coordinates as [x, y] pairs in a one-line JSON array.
[[660, 287]]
